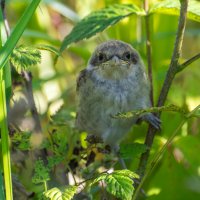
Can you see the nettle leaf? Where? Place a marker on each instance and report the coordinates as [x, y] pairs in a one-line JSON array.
[[66, 193], [41, 172], [99, 20], [172, 7], [23, 57], [132, 150], [119, 183]]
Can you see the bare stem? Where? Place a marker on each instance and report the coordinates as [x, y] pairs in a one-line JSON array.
[[167, 83], [188, 62], [148, 50], [28, 83]]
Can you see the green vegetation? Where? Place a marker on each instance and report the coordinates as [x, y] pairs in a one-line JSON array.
[[44, 45]]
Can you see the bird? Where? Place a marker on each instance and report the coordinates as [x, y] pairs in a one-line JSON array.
[[114, 81]]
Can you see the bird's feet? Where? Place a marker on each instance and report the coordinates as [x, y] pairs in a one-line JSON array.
[[153, 120]]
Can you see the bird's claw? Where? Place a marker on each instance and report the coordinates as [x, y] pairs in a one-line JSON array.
[[153, 120]]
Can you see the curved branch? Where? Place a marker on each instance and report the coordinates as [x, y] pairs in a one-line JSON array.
[[188, 62]]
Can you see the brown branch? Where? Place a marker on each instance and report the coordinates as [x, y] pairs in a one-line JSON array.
[[188, 62], [28, 84], [167, 83], [148, 51]]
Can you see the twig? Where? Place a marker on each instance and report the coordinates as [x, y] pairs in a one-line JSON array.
[[167, 83], [148, 50], [28, 84], [188, 62]]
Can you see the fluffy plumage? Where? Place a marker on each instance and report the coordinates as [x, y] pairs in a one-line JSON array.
[[114, 81]]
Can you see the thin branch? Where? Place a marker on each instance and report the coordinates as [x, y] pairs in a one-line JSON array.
[[28, 84], [148, 50], [188, 62], [167, 83]]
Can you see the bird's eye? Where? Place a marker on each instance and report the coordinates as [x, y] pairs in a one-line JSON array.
[[101, 57], [128, 55]]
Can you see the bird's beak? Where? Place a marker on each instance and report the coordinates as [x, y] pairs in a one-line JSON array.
[[114, 61]]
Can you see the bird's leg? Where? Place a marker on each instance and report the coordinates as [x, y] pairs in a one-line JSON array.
[[151, 119]]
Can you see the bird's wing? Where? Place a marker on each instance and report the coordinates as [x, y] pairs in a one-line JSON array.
[[81, 79]]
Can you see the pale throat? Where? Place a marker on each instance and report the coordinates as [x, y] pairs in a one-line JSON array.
[[114, 71]]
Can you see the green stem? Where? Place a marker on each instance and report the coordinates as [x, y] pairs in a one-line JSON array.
[[5, 141], [45, 186]]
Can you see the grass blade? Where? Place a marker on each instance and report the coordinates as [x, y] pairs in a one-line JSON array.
[[5, 141]]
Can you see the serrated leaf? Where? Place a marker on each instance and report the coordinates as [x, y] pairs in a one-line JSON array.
[[119, 186], [23, 57], [65, 193], [119, 183], [172, 7], [99, 21], [41, 172], [126, 172], [132, 150], [99, 178], [21, 140]]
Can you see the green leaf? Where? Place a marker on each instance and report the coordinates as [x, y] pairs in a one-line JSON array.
[[65, 193], [98, 21], [119, 183], [21, 140], [7, 49], [41, 172], [120, 186], [172, 7], [126, 172], [132, 150], [24, 57]]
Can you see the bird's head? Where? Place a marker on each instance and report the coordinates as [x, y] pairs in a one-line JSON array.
[[114, 59]]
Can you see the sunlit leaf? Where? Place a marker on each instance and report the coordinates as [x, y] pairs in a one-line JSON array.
[[172, 7], [66, 193], [119, 183], [100, 20], [23, 57]]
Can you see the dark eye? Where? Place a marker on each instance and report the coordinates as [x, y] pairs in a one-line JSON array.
[[101, 57], [128, 55]]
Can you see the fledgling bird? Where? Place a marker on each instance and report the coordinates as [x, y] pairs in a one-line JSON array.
[[114, 81]]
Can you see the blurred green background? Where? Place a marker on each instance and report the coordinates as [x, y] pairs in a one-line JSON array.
[[177, 176]]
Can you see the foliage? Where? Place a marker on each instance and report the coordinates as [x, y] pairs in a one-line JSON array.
[[119, 183], [23, 57], [66, 193], [41, 172], [172, 8], [99, 20], [64, 157]]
